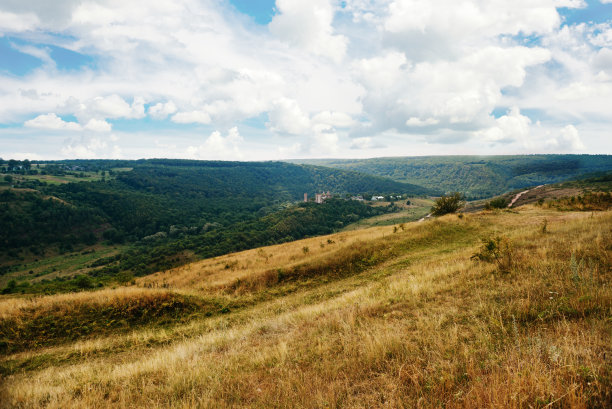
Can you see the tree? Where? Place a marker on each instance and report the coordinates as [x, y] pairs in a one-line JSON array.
[[12, 164], [8, 179], [448, 204]]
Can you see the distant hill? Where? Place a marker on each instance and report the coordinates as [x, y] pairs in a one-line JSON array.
[[476, 176], [156, 194], [163, 211]]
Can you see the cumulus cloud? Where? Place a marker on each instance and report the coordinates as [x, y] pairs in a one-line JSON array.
[[162, 110], [97, 125], [217, 146], [366, 143], [568, 140], [511, 127], [11, 22], [84, 147], [328, 73], [324, 141], [308, 24], [402, 95], [191, 117], [52, 122], [286, 117], [335, 119]]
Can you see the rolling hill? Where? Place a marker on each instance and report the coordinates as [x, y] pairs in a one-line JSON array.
[[477, 177], [420, 314], [163, 213]]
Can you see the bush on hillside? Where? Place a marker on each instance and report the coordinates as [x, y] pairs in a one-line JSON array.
[[497, 250], [499, 203], [448, 204]]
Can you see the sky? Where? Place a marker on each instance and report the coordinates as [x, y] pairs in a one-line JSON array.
[[271, 80]]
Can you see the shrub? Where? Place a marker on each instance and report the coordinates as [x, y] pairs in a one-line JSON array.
[[84, 282], [496, 250], [499, 203], [448, 204]]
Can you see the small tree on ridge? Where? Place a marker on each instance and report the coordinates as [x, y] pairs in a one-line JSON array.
[[448, 204]]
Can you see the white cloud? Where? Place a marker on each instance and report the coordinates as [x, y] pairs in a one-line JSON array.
[[216, 146], [52, 122], [445, 23], [42, 53], [85, 148], [450, 94], [113, 106], [162, 110], [286, 152], [568, 140], [512, 127], [326, 73], [418, 122], [97, 125], [286, 117], [308, 24], [571, 4], [191, 117], [324, 141], [335, 119], [11, 22], [366, 143]]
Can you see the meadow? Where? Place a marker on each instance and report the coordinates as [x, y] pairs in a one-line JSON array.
[[391, 316]]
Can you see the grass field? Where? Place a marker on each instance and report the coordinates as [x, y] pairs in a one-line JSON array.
[[362, 318], [72, 176], [417, 209], [53, 264]]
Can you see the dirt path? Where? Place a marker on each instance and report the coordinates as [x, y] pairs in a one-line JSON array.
[[518, 195], [423, 218]]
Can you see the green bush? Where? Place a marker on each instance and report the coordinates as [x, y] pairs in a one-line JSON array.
[[499, 203], [448, 204]]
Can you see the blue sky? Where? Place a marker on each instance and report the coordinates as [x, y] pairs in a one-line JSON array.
[[259, 80], [261, 11]]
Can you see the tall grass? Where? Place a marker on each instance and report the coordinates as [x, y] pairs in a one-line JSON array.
[[423, 326]]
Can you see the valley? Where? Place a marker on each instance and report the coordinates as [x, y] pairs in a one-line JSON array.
[[488, 306], [404, 316]]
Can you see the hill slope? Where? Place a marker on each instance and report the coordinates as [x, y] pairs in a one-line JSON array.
[[366, 318], [476, 176]]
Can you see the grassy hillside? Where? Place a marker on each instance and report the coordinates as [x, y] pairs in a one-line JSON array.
[[476, 176], [363, 318]]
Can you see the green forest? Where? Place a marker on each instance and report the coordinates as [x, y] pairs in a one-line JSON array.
[[167, 212], [477, 177]]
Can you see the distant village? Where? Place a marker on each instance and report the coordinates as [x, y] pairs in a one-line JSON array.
[[321, 197]]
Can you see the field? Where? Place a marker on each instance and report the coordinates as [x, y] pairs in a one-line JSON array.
[[53, 264], [418, 208], [68, 177], [364, 318]]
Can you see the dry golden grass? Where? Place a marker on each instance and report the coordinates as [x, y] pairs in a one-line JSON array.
[[13, 307], [423, 327], [214, 273]]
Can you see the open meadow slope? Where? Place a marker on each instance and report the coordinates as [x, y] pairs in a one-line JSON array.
[[416, 315]]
